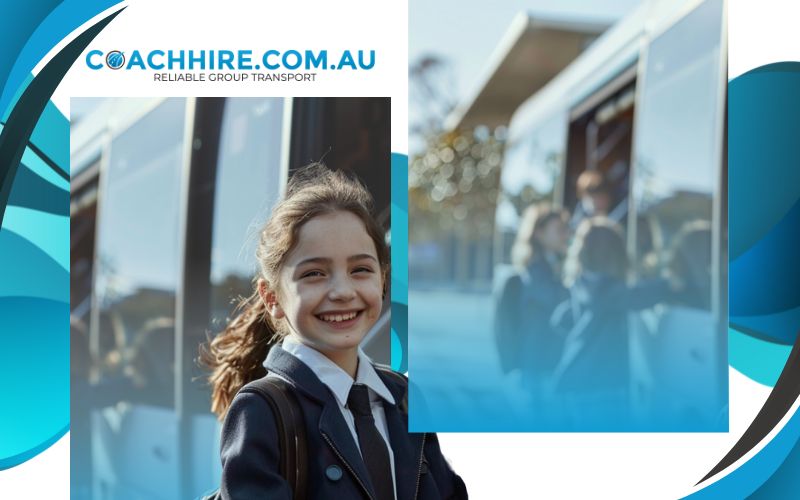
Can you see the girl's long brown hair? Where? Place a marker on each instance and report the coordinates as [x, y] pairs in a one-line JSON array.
[[235, 356]]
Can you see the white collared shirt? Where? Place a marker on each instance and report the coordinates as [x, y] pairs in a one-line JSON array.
[[340, 382]]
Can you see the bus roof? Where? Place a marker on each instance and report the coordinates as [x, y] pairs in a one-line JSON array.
[[607, 58], [533, 50], [519, 80]]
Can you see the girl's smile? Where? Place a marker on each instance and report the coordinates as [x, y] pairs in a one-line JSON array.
[[339, 319], [330, 290]]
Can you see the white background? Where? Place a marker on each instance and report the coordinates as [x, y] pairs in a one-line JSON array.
[[493, 465], [634, 465]]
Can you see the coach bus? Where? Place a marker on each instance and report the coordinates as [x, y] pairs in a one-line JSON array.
[[167, 197], [645, 105]]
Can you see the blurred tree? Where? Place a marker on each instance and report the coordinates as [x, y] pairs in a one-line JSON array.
[[453, 179], [432, 92], [456, 179]]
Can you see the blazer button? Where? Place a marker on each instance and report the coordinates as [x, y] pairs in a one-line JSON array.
[[424, 468], [333, 472]]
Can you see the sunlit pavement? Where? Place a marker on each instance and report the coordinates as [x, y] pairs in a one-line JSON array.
[[452, 354]]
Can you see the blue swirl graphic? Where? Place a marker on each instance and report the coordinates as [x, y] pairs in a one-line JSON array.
[[399, 214]]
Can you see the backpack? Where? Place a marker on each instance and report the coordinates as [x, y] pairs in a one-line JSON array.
[[508, 330], [402, 405], [292, 439], [293, 442]]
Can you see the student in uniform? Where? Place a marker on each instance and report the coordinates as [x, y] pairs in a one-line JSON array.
[[592, 376], [538, 255], [324, 268]]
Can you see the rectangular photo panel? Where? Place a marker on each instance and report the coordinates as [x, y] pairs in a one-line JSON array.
[[169, 197], [568, 219]]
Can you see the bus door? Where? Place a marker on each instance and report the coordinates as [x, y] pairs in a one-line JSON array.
[[678, 189], [600, 139]]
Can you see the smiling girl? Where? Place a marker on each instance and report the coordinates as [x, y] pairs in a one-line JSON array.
[[324, 269]]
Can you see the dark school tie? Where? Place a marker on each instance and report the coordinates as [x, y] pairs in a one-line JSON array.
[[373, 447]]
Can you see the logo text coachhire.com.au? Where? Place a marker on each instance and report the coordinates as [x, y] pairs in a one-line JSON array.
[[233, 60]]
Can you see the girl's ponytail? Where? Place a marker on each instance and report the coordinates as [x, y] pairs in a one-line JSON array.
[[235, 356]]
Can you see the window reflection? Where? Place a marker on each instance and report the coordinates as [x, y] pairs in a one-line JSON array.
[[677, 149], [138, 261], [247, 185], [533, 163], [677, 173]]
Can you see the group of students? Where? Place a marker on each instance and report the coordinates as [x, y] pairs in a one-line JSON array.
[[562, 317]]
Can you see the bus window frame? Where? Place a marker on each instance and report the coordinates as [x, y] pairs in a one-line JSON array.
[[719, 129], [719, 275], [111, 134], [628, 76]]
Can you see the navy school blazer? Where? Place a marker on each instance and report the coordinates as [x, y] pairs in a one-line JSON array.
[[250, 456]]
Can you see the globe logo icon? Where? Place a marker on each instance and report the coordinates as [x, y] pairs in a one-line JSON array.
[[115, 59]]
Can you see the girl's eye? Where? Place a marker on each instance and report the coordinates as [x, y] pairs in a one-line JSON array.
[[311, 274], [363, 269]]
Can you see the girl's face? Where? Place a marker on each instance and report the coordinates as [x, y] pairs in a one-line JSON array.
[[554, 236], [331, 284]]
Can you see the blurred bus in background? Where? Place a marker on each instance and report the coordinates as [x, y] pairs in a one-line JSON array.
[[646, 106], [167, 199], [643, 102]]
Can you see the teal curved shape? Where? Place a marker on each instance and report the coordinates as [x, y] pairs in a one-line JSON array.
[[35, 385], [35, 388], [32, 191], [760, 360], [400, 181], [742, 482], [53, 22], [47, 231], [51, 135], [399, 214], [397, 352], [51, 126], [764, 189], [769, 264], [772, 327], [26, 17], [40, 276], [7, 463], [399, 234], [763, 121], [785, 479], [32, 161], [399, 255]]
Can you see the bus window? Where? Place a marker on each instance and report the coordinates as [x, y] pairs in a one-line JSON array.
[[600, 139], [248, 182], [533, 163], [359, 130], [677, 167], [676, 186], [83, 216], [349, 134], [137, 255]]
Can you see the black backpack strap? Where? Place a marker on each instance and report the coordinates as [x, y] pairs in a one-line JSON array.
[[401, 379], [293, 441]]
